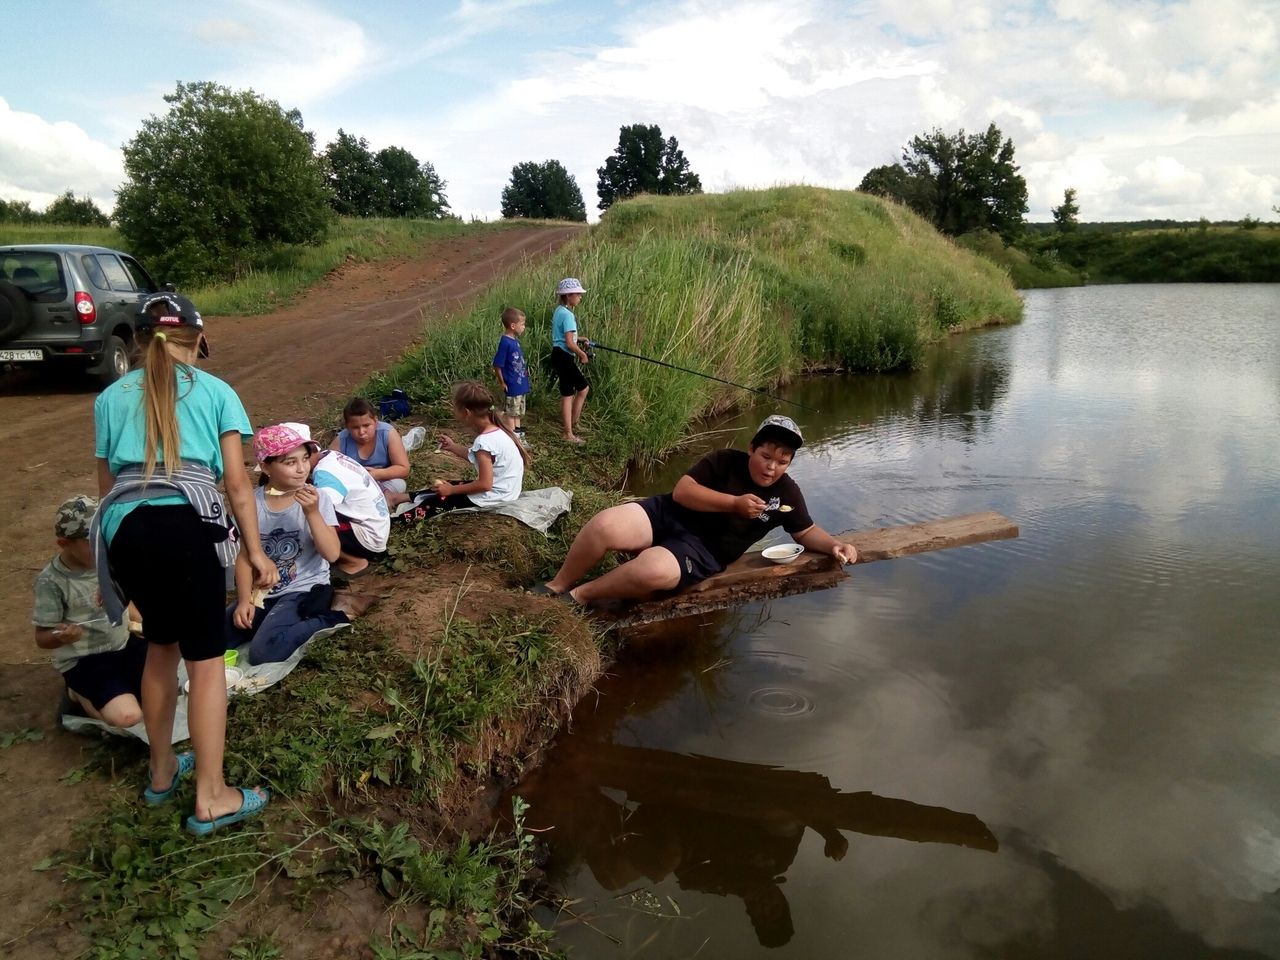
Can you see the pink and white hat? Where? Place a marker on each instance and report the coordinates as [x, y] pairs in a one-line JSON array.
[[280, 438]]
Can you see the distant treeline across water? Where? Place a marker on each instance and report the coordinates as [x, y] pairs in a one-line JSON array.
[[1153, 251]]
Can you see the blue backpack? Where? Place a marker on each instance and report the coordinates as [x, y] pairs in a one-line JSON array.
[[395, 406]]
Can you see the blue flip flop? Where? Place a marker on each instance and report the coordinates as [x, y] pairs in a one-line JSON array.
[[251, 804], [153, 798]]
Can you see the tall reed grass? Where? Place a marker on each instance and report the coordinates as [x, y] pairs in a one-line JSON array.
[[751, 286]]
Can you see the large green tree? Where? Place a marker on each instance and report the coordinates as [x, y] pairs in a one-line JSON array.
[[643, 162], [543, 190], [408, 188], [80, 212], [968, 182], [222, 177], [353, 176]]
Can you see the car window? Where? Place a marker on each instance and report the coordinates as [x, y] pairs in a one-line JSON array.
[[37, 272], [94, 272], [141, 279], [116, 275]]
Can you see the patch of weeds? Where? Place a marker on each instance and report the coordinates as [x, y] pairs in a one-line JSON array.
[[254, 947], [475, 892], [148, 890], [30, 735], [946, 310]]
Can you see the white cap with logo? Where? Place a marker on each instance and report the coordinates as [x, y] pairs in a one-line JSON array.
[[780, 428]]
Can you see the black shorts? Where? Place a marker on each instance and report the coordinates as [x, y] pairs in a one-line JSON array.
[[163, 557], [566, 368], [348, 543], [696, 561], [101, 677]]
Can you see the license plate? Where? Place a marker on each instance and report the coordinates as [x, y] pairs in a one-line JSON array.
[[21, 355]]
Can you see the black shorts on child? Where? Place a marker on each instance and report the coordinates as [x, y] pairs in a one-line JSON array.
[[101, 677], [163, 557], [349, 544], [565, 365], [696, 561]]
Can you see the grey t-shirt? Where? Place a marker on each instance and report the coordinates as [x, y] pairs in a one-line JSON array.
[[286, 539], [64, 595]]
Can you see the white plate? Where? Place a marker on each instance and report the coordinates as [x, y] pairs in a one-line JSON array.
[[21, 355], [234, 676], [784, 553]]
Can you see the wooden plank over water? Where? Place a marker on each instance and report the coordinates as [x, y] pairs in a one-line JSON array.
[[754, 578]]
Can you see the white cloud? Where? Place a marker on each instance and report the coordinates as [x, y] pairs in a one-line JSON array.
[[40, 159], [290, 50], [769, 91]]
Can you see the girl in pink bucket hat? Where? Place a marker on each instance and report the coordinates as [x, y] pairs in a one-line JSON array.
[[299, 532]]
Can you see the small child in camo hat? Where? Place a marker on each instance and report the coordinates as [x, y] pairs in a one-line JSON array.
[[100, 663]]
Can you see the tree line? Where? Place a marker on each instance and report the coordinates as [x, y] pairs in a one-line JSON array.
[[224, 176], [67, 209]]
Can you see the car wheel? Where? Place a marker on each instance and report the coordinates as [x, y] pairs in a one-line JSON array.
[[115, 361], [15, 313]]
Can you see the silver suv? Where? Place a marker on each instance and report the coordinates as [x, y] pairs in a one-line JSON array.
[[64, 305]]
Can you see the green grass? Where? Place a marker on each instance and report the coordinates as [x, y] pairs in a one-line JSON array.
[[15, 233], [360, 725], [287, 271], [751, 286]]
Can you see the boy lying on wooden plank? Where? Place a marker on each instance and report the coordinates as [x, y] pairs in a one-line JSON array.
[[726, 502]]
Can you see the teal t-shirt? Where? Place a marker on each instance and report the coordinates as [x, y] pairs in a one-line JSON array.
[[207, 408], [562, 321]]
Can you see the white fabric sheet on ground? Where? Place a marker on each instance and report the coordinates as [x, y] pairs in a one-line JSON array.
[[252, 680], [538, 509]]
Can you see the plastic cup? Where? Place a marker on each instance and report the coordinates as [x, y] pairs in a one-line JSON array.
[[231, 657]]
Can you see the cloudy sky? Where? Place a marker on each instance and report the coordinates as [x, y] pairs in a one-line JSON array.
[[1149, 109]]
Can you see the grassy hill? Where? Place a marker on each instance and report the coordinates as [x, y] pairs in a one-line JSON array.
[[751, 286]]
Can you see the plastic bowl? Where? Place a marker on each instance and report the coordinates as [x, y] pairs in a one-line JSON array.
[[234, 676], [784, 553]]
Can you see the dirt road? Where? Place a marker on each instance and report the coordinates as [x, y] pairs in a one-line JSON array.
[[353, 323]]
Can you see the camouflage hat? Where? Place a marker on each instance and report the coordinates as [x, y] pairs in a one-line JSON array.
[[72, 522]]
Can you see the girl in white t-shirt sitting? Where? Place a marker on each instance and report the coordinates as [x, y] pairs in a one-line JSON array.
[[498, 457]]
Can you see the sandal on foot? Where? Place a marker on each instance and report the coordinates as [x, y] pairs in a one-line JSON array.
[[251, 804], [186, 763]]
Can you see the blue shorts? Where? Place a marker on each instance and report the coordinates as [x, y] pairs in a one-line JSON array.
[[696, 561], [101, 677]]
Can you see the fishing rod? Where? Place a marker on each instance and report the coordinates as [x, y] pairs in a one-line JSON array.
[[596, 345]]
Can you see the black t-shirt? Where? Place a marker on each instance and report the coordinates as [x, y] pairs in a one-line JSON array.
[[728, 535]]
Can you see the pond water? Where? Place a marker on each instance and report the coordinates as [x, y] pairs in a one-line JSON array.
[[1064, 745]]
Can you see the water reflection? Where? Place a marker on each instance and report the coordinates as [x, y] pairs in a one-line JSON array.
[[953, 395], [717, 826]]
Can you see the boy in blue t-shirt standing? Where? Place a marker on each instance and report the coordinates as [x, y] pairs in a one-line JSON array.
[[511, 370]]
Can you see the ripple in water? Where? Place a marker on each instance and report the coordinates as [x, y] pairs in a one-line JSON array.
[[787, 709], [781, 702]]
